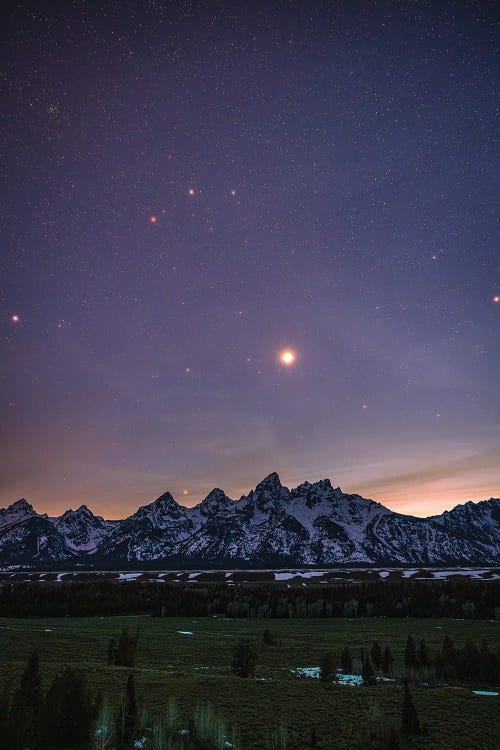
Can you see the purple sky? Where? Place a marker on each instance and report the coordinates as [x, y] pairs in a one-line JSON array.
[[190, 188]]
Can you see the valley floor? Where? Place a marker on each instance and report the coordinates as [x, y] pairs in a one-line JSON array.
[[190, 659]]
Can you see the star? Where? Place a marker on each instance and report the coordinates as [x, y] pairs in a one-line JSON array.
[[153, 219], [496, 298], [15, 318], [191, 191], [287, 357]]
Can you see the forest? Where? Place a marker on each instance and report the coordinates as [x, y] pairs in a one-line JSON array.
[[462, 598]]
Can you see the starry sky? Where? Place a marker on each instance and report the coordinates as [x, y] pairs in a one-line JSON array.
[[190, 189]]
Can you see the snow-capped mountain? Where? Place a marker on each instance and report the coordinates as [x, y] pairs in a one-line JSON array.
[[82, 530], [312, 524], [29, 538]]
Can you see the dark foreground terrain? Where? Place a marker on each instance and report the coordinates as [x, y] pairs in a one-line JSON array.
[[190, 659]]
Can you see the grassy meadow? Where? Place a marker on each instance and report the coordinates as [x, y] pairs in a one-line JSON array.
[[196, 668]]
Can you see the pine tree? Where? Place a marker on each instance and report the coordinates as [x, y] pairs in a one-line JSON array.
[[411, 661], [367, 672], [26, 704], [327, 667], [126, 722], [244, 660], [111, 651], [267, 637], [346, 661], [376, 655], [67, 714], [448, 653], [4, 713], [390, 738], [448, 649], [409, 720], [387, 661], [125, 651], [424, 658]]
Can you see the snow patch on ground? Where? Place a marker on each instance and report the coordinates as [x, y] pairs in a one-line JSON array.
[[485, 692], [353, 680], [185, 632], [299, 574]]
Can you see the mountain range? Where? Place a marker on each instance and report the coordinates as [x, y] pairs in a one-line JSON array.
[[311, 525]]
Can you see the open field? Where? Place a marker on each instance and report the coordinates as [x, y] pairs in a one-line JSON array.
[[195, 668]]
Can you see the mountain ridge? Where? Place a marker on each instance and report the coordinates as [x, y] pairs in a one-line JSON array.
[[313, 524]]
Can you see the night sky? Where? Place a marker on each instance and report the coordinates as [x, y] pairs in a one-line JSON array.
[[189, 189]]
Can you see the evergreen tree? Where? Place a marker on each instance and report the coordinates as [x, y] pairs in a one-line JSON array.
[[327, 667], [488, 665], [125, 651], [4, 714], [25, 709], [314, 738], [409, 720], [448, 654], [367, 672], [244, 660], [67, 713], [448, 649], [376, 655], [387, 661], [126, 722], [346, 661], [111, 651], [390, 738], [411, 661], [423, 658], [267, 637]]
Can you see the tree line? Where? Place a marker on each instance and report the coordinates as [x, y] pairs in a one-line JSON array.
[[457, 599]]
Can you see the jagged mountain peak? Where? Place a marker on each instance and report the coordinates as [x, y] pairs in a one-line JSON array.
[[83, 510], [20, 506], [312, 524], [163, 504], [271, 482], [160, 513], [269, 495], [18, 511], [215, 501]]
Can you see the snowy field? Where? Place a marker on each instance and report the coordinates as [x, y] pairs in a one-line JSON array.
[[289, 577]]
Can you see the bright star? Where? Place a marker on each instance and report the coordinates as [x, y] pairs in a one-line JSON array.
[[153, 219], [15, 318], [191, 191], [496, 298], [287, 357]]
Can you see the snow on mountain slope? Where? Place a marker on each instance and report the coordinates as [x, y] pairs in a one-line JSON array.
[[152, 532], [19, 511], [82, 530], [312, 524], [477, 522]]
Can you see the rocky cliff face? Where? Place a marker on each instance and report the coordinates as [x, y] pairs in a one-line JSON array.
[[312, 524]]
